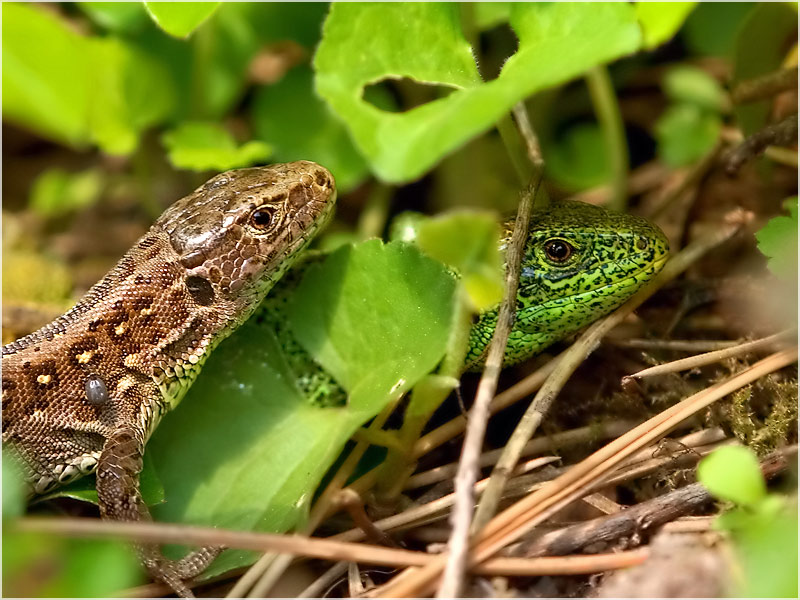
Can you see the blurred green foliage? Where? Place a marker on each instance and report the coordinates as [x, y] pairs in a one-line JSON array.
[[43, 566], [778, 241], [689, 128], [763, 526]]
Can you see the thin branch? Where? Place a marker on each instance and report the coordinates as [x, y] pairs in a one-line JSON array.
[[675, 345], [303, 546], [633, 468], [765, 86], [519, 519], [320, 585], [529, 137], [479, 413], [693, 362], [778, 134], [564, 439], [641, 518]]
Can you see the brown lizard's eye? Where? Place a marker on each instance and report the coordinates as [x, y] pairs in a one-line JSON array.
[[263, 218], [558, 250]]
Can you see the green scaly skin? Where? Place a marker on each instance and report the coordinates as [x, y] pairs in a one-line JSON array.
[[613, 256]]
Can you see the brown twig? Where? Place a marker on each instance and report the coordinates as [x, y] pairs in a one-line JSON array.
[[303, 546], [633, 468], [779, 134], [693, 362], [765, 86], [354, 506], [641, 518], [675, 345], [564, 439], [320, 585], [467, 474]]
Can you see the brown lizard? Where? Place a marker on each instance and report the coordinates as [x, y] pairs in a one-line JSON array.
[[85, 392]]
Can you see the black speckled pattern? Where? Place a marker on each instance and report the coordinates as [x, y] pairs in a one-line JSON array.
[[614, 255]]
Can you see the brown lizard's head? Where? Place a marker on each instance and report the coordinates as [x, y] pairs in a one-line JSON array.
[[239, 232]]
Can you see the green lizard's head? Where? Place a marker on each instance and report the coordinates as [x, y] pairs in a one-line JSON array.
[[580, 262]]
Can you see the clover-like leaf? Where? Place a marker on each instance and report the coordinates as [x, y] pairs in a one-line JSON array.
[[424, 42], [180, 18], [778, 241], [202, 146], [732, 473]]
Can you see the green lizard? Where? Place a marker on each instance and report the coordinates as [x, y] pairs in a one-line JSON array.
[[580, 263]]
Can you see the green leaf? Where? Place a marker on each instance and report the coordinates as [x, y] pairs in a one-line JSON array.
[[372, 326], [204, 146], [290, 117], [424, 42], [578, 160], [762, 43], [179, 19], [75, 89], [469, 242], [685, 133], [732, 473], [130, 93], [119, 17], [693, 86], [44, 566], [777, 240], [13, 490], [767, 547], [45, 75], [257, 447], [711, 27], [490, 14], [57, 192], [661, 20]]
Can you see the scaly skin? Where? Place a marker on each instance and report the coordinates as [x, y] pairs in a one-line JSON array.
[[555, 298], [85, 392], [612, 256]]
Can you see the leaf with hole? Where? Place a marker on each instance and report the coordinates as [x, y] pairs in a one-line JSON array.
[[424, 42]]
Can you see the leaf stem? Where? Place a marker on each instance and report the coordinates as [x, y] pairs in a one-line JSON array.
[[515, 148], [610, 118]]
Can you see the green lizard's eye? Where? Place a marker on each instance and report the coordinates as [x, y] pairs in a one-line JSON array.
[[558, 250]]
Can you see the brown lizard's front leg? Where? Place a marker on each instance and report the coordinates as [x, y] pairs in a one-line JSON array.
[[119, 499]]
